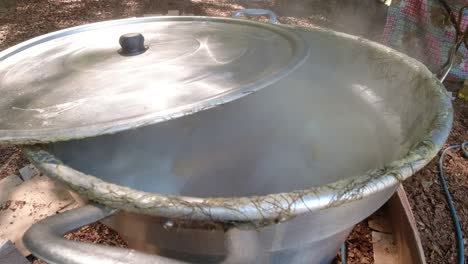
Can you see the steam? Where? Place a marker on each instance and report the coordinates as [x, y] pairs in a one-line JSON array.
[[292, 136], [313, 128], [365, 18]]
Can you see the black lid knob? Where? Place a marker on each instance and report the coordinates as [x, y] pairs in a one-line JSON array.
[[132, 44]]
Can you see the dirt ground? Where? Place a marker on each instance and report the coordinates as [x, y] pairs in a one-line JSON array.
[[29, 18], [11, 160], [427, 198], [96, 233], [359, 246]]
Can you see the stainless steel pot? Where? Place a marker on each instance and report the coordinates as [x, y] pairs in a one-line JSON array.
[[253, 143]]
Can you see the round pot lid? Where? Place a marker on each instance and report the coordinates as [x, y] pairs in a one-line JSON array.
[[112, 76]]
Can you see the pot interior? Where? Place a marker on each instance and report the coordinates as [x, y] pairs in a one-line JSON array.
[[348, 109]]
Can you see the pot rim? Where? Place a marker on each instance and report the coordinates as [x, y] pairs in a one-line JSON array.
[[271, 208]]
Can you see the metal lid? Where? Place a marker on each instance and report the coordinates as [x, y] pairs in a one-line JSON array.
[[111, 76]]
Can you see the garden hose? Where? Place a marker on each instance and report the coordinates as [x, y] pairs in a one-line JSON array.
[[448, 197], [343, 253]]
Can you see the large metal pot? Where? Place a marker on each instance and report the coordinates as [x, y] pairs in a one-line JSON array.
[[263, 143]]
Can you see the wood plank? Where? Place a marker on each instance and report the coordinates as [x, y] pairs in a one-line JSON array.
[[405, 231], [7, 187], [380, 222], [385, 250], [28, 172], [28, 203], [9, 254]]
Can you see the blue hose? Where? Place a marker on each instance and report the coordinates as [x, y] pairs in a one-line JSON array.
[[343, 253], [448, 197]]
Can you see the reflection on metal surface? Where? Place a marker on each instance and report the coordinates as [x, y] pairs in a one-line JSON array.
[[52, 111], [378, 105], [192, 64], [98, 58]]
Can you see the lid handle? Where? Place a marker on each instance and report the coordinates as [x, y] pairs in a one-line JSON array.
[[273, 19], [132, 44]]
